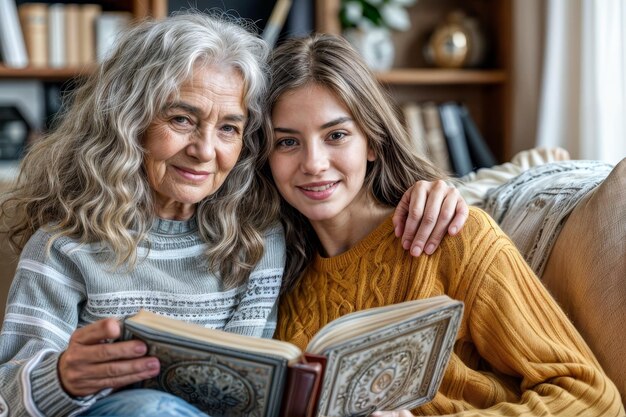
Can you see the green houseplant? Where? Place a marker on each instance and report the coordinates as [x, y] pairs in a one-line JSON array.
[[367, 24]]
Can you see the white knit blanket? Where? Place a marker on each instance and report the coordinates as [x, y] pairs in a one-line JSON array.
[[532, 207]]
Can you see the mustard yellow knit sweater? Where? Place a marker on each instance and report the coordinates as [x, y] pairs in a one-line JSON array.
[[516, 352]]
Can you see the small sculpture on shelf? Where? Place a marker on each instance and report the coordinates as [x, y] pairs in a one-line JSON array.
[[367, 25], [14, 132], [457, 42]]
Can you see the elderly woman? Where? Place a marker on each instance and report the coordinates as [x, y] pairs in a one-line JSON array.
[[147, 195], [142, 197]]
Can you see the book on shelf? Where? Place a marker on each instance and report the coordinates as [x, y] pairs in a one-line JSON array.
[[72, 35], [59, 35], [88, 14], [34, 21], [160, 9], [415, 127], [108, 27], [12, 47], [481, 155], [56, 35], [276, 21], [382, 358], [435, 140], [455, 138]]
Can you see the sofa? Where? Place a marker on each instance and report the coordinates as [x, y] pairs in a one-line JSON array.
[[578, 250], [568, 219]]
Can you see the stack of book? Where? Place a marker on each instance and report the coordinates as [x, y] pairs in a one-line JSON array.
[[447, 135], [56, 35]]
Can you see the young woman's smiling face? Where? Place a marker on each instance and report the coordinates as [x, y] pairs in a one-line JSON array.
[[319, 156]]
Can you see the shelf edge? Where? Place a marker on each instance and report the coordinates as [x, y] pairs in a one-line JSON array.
[[441, 76]]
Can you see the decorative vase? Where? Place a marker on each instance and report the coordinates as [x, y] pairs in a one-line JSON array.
[[375, 46], [457, 42]]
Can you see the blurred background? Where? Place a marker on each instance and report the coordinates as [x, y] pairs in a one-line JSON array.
[[475, 81]]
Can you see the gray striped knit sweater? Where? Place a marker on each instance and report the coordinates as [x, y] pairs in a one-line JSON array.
[[53, 294]]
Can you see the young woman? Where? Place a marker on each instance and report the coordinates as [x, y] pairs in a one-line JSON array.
[[341, 160]]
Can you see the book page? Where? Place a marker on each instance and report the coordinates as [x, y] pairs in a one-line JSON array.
[[360, 322], [159, 325], [386, 358]]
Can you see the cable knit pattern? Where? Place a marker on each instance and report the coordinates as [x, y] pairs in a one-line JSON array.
[[516, 352], [54, 293]]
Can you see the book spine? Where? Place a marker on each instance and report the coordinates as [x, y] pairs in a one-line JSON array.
[[437, 147], [455, 137], [34, 20], [301, 390], [87, 32], [160, 9], [479, 151], [56, 36], [415, 128], [108, 26], [72, 36], [11, 39], [276, 21]]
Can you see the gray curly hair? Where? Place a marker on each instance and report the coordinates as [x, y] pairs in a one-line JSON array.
[[85, 180]]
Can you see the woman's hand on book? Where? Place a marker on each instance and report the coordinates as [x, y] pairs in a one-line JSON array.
[[90, 363], [426, 212]]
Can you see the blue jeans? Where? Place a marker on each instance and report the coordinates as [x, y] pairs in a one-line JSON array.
[[142, 403]]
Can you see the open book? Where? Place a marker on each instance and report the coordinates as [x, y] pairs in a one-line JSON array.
[[383, 358]]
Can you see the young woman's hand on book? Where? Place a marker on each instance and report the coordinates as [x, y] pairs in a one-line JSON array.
[[428, 210], [90, 363]]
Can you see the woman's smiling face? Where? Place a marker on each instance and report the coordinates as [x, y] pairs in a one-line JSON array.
[[319, 155], [195, 141]]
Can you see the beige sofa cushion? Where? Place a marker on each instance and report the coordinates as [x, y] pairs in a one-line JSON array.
[[586, 272]]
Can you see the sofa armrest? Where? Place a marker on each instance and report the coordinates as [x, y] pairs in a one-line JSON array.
[[586, 272], [578, 250]]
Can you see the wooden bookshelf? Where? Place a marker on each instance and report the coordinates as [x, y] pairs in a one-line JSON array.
[[139, 9], [43, 74], [441, 76], [486, 91]]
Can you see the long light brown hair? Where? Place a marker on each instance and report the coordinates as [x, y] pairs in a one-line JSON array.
[[331, 62], [85, 180]]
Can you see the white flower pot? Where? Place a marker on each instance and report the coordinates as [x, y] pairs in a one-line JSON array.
[[375, 46]]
